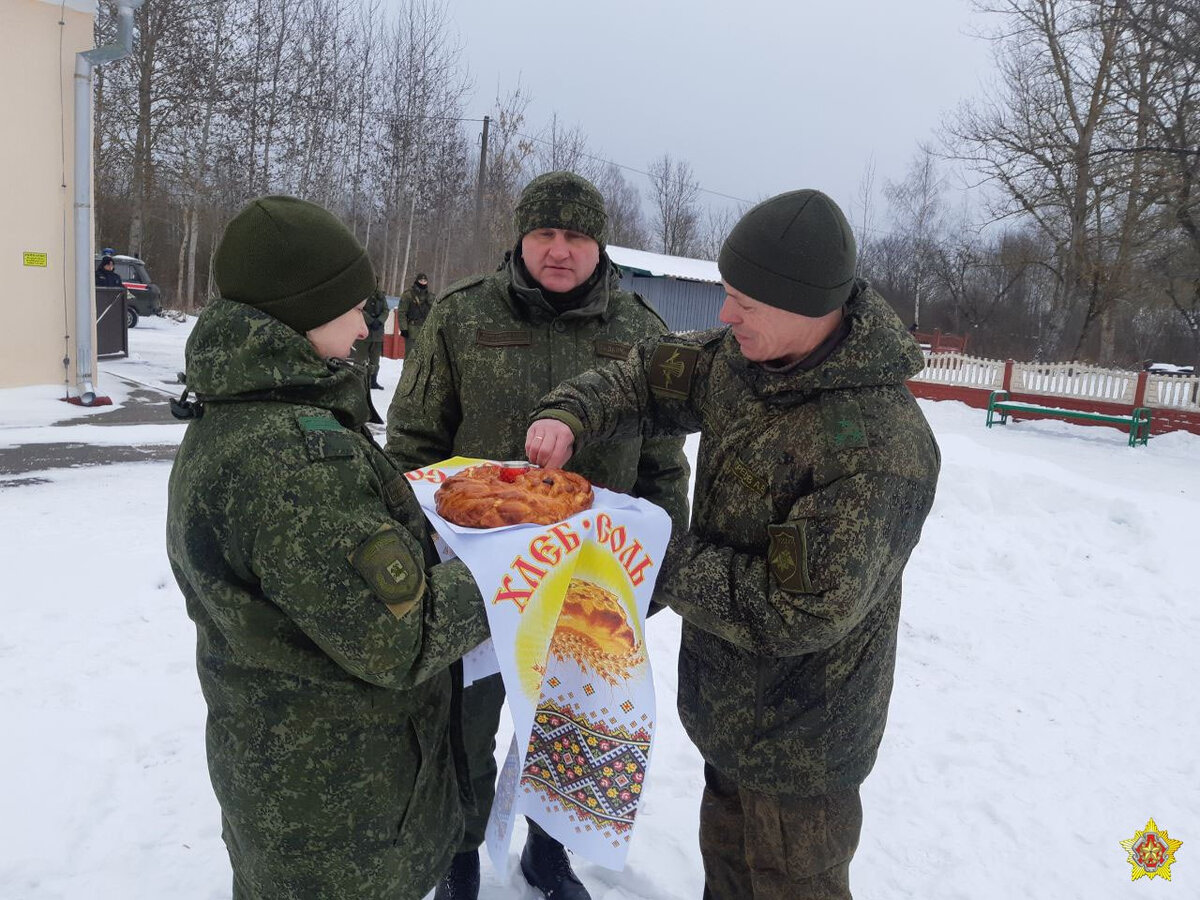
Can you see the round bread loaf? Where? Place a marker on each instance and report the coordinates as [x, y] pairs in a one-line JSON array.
[[491, 496]]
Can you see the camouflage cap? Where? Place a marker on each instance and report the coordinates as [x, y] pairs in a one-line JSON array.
[[562, 200], [794, 251]]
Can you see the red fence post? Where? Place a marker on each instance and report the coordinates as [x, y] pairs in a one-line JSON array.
[[393, 344], [1008, 367], [1139, 393]]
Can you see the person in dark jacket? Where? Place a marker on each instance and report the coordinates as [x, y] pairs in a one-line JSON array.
[[415, 304], [368, 350], [492, 346], [106, 273], [815, 475], [327, 633]]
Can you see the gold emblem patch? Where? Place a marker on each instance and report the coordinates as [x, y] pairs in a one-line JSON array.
[[1151, 852], [671, 370], [388, 567], [787, 557]]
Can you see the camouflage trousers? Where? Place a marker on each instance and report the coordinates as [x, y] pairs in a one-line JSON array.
[[482, 703], [760, 847]]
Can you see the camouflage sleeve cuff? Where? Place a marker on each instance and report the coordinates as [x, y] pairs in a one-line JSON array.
[[568, 419]]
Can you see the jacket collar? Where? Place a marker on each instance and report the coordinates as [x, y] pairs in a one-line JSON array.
[[527, 301], [877, 350], [239, 353]]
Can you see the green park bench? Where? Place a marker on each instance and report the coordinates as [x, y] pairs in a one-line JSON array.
[[1000, 408]]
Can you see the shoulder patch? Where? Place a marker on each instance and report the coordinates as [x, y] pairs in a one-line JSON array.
[[787, 557], [324, 437], [671, 369], [613, 349], [844, 425], [391, 572]]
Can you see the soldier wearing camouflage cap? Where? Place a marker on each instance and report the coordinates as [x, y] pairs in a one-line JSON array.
[[491, 347], [815, 475], [327, 635]]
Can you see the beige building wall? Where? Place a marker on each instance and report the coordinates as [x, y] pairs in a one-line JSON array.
[[37, 234]]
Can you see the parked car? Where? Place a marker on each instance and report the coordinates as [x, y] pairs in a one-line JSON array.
[[145, 296], [1158, 368]]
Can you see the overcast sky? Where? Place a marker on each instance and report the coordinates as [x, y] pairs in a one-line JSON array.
[[759, 96]]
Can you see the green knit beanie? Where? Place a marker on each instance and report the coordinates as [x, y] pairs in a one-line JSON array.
[[294, 260], [562, 200], [794, 251]]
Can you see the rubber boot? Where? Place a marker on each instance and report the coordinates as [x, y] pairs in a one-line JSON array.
[[461, 881]]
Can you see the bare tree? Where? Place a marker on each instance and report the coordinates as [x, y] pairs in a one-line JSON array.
[[509, 152], [626, 226], [718, 222], [674, 192], [1035, 141], [917, 208], [559, 149], [865, 230]]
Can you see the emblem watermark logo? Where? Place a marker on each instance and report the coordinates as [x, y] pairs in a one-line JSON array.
[[1151, 852]]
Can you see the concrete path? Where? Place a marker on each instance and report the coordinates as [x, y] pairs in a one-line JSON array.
[[143, 407]]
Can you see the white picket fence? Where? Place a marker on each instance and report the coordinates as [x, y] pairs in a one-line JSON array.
[[1081, 382], [1173, 391], [962, 370], [1075, 380]]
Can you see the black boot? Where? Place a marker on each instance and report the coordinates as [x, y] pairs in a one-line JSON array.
[[545, 865], [461, 881], [375, 385]]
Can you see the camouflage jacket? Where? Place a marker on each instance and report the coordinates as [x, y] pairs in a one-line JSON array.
[[811, 490], [492, 347], [325, 633], [414, 308]]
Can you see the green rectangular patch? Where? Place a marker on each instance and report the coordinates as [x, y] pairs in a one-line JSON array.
[[671, 369], [787, 557], [503, 338], [319, 423], [844, 425], [394, 490]]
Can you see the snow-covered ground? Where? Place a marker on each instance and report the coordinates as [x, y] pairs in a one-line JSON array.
[[1045, 703]]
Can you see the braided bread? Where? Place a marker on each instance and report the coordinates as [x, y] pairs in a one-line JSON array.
[[491, 496]]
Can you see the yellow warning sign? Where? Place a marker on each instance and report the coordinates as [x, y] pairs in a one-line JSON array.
[[31, 258]]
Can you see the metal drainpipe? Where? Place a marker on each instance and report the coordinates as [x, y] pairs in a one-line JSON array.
[[84, 304]]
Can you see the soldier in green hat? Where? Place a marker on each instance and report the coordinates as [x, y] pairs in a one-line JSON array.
[[415, 304], [327, 634], [815, 475], [491, 347]]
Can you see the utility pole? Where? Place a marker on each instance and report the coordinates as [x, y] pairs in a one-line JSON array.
[[479, 184]]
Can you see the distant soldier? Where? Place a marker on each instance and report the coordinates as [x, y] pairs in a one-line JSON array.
[[326, 631], [415, 304], [815, 475], [492, 346], [367, 350]]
